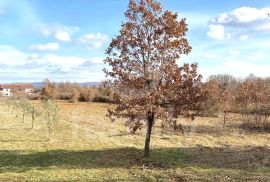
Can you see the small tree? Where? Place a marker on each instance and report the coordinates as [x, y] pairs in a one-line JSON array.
[[87, 94], [211, 104], [49, 91], [225, 81], [51, 115], [34, 112], [144, 74], [50, 108], [226, 103], [75, 95], [10, 103], [17, 107], [24, 105]]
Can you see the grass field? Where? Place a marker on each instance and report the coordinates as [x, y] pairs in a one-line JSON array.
[[86, 146]]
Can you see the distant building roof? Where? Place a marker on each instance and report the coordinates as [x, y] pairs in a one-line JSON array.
[[16, 86]]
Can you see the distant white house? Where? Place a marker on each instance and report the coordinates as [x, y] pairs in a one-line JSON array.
[[5, 92], [8, 90]]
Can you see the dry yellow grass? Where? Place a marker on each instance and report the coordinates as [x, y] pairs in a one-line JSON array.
[[86, 146]]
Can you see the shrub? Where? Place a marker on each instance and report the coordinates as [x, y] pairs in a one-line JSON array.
[[75, 95], [101, 98], [49, 91], [33, 96], [87, 94], [65, 96]]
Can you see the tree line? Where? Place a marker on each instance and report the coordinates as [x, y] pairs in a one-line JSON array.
[[249, 97], [72, 92]]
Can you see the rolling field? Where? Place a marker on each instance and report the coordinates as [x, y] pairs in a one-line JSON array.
[[86, 146]]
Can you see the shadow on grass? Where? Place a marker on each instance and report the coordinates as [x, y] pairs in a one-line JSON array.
[[122, 134], [221, 130], [252, 128], [18, 140], [16, 129], [225, 158]]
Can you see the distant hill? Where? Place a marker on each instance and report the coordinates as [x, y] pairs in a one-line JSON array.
[[38, 84], [90, 84], [85, 84]]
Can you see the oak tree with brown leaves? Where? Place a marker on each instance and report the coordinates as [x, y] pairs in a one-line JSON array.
[[210, 106], [226, 102], [142, 66]]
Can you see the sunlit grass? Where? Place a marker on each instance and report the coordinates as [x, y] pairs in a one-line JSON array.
[[86, 146]]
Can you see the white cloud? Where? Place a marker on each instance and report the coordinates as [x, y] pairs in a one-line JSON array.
[[244, 37], [14, 59], [60, 32], [27, 17], [216, 32], [34, 57], [239, 22], [232, 52], [232, 68], [210, 55], [22, 66], [255, 56], [97, 60], [65, 63], [245, 17], [93, 40], [63, 36], [10, 56], [45, 47]]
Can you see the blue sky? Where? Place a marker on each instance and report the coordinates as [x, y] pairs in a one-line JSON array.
[[66, 40]]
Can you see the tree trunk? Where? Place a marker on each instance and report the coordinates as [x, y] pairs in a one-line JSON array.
[[256, 112], [150, 121], [49, 125], [224, 118], [50, 133], [23, 113], [33, 117]]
